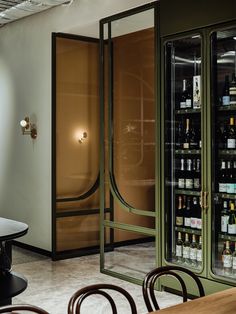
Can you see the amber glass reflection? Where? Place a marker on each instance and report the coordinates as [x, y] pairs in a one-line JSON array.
[[77, 111], [134, 118]]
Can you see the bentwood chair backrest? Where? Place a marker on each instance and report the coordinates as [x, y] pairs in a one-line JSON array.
[[174, 271], [17, 309], [74, 306]]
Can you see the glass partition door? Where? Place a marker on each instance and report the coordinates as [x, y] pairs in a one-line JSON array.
[[224, 153], [183, 152], [128, 107]]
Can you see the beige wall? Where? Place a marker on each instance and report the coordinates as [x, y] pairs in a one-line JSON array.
[[25, 77]]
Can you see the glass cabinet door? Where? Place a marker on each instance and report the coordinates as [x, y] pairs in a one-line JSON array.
[[183, 157], [224, 152]]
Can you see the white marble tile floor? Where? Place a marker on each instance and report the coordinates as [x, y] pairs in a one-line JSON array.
[[51, 284]]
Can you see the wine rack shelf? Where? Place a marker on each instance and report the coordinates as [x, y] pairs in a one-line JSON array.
[[186, 192], [227, 237], [227, 108], [226, 196], [188, 230], [187, 111], [187, 151], [223, 152]]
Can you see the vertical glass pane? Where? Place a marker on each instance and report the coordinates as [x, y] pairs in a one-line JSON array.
[[224, 152], [134, 259], [133, 69], [183, 107]]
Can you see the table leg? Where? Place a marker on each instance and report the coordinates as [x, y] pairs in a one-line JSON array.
[[5, 261]]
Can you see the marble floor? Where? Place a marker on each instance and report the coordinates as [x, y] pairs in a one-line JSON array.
[[50, 284]]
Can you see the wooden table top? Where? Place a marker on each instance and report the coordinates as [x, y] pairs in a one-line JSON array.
[[223, 302]]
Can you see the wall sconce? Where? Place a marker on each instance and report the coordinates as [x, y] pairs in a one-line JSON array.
[[28, 128], [83, 136]]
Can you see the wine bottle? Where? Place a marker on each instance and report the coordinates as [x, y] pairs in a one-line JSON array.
[[231, 221], [186, 101], [227, 259], [179, 213], [224, 138], [234, 261], [193, 251], [186, 249], [194, 213], [230, 178], [199, 252], [232, 90], [187, 136], [222, 178], [182, 162], [179, 135], [187, 213], [194, 140], [225, 97], [196, 92], [179, 248], [231, 139], [198, 214], [224, 217]]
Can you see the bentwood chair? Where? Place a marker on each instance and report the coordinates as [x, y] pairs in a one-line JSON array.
[[17, 309], [74, 306], [152, 276]]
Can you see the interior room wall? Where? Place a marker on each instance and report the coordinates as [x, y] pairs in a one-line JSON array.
[[25, 89]]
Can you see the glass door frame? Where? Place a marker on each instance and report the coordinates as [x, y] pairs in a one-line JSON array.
[[164, 40], [209, 32], [104, 223]]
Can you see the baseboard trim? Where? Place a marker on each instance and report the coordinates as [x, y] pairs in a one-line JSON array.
[[31, 248]]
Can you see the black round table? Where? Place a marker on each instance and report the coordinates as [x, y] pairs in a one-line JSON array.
[[11, 284]]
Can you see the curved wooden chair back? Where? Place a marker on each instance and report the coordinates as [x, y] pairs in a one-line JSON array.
[[151, 278], [74, 306], [17, 309]]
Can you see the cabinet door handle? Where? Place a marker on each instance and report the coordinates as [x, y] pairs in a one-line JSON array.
[[205, 200], [201, 200]]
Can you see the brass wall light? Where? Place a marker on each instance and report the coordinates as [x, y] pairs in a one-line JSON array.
[[28, 128], [83, 136]]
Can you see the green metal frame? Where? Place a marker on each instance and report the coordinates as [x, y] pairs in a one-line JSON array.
[[112, 184]]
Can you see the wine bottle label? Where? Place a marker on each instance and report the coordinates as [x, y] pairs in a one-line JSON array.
[[186, 145], [227, 261], [225, 100], [199, 255], [193, 253], [231, 229], [224, 223], [181, 183], [199, 223], [179, 250], [231, 143], [222, 187], [196, 183], [187, 222], [186, 251], [189, 183], [193, 222], [179, 221], [182, 105], [230, 188], [234, 262], [188, 103], [196, 91]]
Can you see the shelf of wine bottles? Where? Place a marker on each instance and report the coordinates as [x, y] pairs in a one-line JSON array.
[[226, 196], [188, 152], [188, 230], [187, 111], [188, 249]]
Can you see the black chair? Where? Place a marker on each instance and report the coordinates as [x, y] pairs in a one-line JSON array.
[[152, 276], [14, 309], [74, 306]]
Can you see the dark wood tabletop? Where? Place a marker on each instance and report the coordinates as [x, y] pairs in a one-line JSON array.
[[223, 302], [11, 229]]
